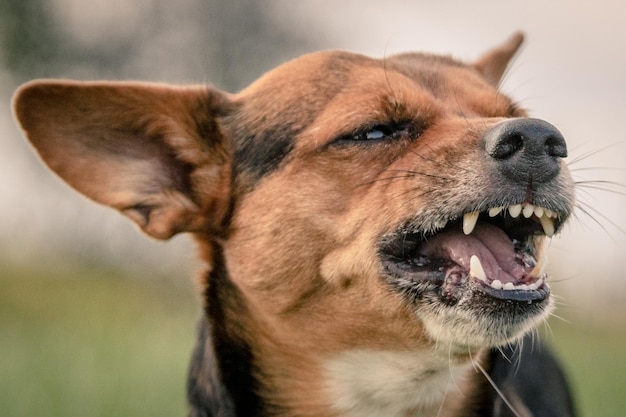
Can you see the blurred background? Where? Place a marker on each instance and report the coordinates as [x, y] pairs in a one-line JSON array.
[[97, 320]]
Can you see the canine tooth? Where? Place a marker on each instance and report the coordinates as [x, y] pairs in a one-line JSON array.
[[515, 210], [548, 225], [469, 221], [539, 269], [493, 212], [528, 210], [476, 269], [538, 211], [508, 286], [496, 284]]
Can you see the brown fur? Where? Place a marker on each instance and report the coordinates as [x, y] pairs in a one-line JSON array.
[[288, 219]]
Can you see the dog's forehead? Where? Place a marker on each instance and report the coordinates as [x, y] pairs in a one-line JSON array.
[[324, 74], [355, 89]]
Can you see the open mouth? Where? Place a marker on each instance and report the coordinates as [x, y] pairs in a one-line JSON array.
[[499, 252]]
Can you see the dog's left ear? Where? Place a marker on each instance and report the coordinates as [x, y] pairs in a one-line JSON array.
[[153, 152], [494, 63]]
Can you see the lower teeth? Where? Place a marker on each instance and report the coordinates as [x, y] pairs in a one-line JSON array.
[[477, 271]]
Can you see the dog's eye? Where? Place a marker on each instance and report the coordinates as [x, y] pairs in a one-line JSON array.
[[379, 133]]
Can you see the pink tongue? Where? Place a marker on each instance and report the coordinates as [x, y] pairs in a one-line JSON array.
[[492, 246]]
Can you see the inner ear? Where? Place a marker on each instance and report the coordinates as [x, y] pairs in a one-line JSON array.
[[154, 152], [493, 64]]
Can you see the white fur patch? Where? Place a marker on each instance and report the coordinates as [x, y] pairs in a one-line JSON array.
[[392, 384]]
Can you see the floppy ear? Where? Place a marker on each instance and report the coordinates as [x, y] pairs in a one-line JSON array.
[[152, 151], [494, 63]]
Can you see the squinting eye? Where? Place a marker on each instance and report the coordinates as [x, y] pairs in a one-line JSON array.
[[382, 132], [378, 133]]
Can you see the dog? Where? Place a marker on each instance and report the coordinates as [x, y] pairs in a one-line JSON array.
[[374, 230]]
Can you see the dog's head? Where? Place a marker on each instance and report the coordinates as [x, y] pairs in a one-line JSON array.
[[347, 202]]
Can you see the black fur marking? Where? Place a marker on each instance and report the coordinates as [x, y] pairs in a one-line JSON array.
[[263, 140], [221, 379], [532, 375], [261, 154], [206, 394]]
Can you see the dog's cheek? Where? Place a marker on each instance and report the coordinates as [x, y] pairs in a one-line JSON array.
[[276, 245], [298, 234], [343, 266]]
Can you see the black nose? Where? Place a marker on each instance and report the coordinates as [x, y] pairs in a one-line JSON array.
[[526, 150]]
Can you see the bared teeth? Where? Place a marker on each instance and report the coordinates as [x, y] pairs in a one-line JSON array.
[[493, 212], [515, 210], [528, 210], [548, 225], [469, 221], [545, 216], [540, 269], [509, 286], [476, 269], [496, 284]]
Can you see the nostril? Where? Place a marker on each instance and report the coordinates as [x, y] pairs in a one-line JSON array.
[[507, 145], [555, 146]]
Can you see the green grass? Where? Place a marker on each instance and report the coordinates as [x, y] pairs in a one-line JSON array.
[[90, 345], [594, 356], [97, 344]]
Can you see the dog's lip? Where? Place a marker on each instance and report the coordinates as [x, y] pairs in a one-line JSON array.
[[498, 251]]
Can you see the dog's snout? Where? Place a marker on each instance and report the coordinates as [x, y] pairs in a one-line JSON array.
[[526, 149]]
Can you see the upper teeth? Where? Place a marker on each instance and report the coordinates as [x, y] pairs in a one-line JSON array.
[[546, 216], [469, 221]]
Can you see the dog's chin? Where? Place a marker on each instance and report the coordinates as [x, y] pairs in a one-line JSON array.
[[480, 322], [477, 282]]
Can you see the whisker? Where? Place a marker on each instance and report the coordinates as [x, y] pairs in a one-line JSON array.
[[591, 153], [494, 385], [564, 279], [424, 174], [404, 175], [548, 328], [577, 169], [385, 71], [518, 361], [416, 196], [563, 319], [587, 211], [450, 369], [597, 185], [388, 179], [509, 360], [437, 163]]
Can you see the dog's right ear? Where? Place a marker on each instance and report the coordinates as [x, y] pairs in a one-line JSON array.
[[493, 64], [154, 152]]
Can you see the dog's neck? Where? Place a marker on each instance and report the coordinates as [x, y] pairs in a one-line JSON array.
[[226, 379], [354, 384], [395, 384]]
